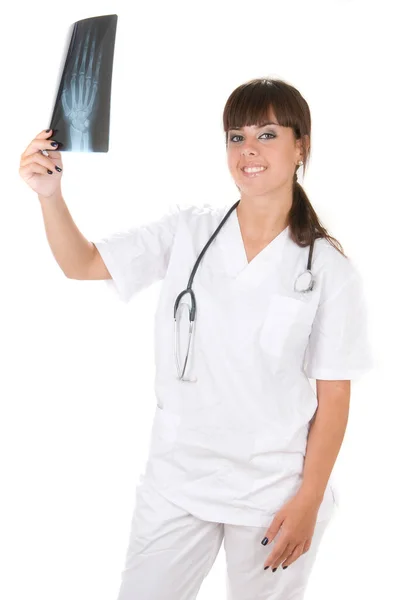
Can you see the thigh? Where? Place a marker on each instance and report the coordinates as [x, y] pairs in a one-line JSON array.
[[169, 552], [245, 557]]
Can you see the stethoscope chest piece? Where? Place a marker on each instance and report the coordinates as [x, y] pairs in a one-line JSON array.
[[304, 282], [184, 324]]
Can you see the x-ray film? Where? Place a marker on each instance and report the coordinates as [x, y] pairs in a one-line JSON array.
[[80, 120]]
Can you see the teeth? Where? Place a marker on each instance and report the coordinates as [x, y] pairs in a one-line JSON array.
[[253, 169]]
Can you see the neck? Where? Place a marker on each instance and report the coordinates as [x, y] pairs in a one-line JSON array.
[[261, 219]]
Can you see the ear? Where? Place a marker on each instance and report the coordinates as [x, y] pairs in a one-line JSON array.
[[301, 143]]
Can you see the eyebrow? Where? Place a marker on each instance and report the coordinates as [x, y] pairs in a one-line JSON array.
[[257, 126]]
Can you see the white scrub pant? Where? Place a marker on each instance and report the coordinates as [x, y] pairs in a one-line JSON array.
[[170, 552]]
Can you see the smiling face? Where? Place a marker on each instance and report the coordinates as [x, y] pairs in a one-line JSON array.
[[272, 146]]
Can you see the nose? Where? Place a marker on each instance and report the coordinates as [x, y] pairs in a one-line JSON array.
[[249, 149]]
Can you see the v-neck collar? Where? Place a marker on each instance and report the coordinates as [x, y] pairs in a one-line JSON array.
[[234, 254]]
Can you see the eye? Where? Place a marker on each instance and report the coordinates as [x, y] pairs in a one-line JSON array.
[[234, 136]]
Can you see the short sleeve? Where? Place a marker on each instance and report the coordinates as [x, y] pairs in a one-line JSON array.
[[138, 256], [338, 346]]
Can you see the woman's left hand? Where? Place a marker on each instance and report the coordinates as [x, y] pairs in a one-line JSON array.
[[298, 517]]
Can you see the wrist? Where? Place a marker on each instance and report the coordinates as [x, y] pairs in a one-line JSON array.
[[312, 493], [51, 198]]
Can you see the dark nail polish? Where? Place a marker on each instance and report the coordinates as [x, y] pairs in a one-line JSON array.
[[265, 568], [49, 172], [54, 144], [273, 570], [58, 168], [264, 541], [285, 567]]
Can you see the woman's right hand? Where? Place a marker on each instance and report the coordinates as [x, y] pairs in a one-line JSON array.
[[34, 166]]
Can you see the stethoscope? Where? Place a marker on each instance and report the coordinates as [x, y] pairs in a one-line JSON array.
[[305, 279]]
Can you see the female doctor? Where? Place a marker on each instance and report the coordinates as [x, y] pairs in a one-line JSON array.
[[256, 299]]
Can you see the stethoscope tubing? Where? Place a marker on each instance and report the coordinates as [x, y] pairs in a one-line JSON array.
[[189, 290]]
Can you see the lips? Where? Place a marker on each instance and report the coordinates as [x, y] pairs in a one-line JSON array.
[[252, 165], [253, 174]]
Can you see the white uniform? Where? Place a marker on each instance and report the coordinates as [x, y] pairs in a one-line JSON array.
[[230, 447]]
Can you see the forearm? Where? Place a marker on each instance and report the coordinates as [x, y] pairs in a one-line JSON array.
[[70, 248], [325, 436]]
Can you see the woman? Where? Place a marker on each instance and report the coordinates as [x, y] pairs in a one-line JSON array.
[[242, 448]]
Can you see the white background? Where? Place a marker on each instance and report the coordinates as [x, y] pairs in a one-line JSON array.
[[77, 366]]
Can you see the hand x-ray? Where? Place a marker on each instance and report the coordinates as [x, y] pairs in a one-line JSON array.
[[80, 119]]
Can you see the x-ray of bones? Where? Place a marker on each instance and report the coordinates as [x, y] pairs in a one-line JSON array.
[[80, 119]]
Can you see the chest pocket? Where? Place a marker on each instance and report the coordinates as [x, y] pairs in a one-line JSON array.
[[286, 326]]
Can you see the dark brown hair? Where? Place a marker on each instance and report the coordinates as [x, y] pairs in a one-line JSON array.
[[250, 104]]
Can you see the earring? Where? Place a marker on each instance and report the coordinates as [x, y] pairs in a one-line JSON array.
[[300, 162]]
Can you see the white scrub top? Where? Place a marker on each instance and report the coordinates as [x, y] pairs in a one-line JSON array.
[[230, 447]]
